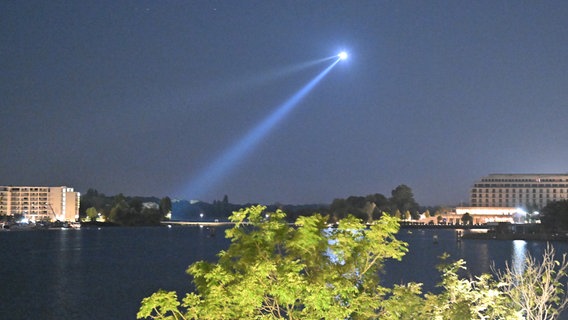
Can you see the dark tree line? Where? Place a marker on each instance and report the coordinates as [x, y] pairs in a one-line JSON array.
[[554, 216], [371, 207], [122, 210]]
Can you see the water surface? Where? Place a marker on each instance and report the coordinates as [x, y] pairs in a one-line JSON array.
[[105, 273]]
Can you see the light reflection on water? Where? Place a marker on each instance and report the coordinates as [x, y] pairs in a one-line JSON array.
[[104, 274], [519, 256], [418, 265]]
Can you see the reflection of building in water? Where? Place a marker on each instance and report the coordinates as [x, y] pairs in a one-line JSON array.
[[527, 191], [483, 257], [40, 203]]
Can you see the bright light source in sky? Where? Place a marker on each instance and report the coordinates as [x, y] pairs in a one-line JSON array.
[[343, 55]]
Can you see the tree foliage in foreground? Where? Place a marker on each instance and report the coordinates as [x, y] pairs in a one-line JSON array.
[[273, 270], [537, 291]]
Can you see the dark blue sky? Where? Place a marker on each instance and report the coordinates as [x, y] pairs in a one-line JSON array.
[[139, 97]]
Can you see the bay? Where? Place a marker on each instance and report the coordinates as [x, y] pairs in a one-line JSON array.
[[105, 273]]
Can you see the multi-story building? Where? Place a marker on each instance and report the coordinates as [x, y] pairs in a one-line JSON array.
[[40, 203], [527, 191]]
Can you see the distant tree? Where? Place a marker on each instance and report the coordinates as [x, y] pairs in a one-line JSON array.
[[416, 215], [403, 199], [118, 199], [120, 212], [427, 214], [136, 204], [166, 206], [554, 215], [407, 215], [91, 193], [356, 201], [398, 214], [382, 202], [93, 198], [369, 209], [92, 214], [361, 207], [338, 209], [149, 216], [467, 218]]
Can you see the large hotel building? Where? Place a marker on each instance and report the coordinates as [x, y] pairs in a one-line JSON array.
[[510, 197], [528, 191], [40, 203]]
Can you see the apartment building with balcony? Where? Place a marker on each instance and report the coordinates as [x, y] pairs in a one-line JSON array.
[[38, 203]]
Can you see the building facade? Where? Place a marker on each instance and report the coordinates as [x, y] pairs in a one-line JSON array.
[[527, 191], [40, 203]]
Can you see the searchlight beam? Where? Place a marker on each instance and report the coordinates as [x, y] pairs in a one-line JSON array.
[[220, 167]]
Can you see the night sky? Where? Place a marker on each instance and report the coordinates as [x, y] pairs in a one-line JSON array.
[[140, 97]]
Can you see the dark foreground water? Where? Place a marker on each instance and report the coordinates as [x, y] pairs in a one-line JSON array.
[[104, 274]]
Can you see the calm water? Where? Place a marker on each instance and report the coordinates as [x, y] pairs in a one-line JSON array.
[[104, 274]]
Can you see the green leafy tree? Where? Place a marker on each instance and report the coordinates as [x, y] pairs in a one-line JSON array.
[[534, 293], [275, 271], [461, 298], [478, 297], [538, 290], [92, 213]]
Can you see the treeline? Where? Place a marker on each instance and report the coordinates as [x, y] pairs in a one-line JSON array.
[[554, 216], [129, 211], [400, 204], [122, 210]]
